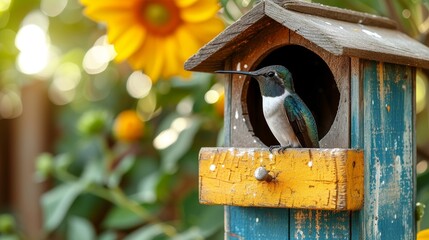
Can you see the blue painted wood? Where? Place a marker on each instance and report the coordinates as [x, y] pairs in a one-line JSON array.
[[356, 132], [256, 223], [317, 224], [388, 134]]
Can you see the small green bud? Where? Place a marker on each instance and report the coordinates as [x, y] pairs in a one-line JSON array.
[[92, 122], [420, 211], [44, 165], [7, 224]]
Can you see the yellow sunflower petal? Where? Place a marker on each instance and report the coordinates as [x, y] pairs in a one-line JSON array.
[[185, 3], [129, 42], [159, 50], [200, 11], [206, 30], [155, 57], [141, 57], [108, 3], [109, 15], [185, 74], [187, 42], [115, 31], [173, 63]]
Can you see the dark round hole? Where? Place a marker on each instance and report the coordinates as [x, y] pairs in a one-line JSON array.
[[314, 83]]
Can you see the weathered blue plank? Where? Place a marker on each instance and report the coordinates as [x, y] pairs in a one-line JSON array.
[[356, 132], [317, 224], [388, 133], [256, 223]]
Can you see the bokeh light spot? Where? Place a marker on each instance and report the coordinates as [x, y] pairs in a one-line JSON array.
[[10, 104], [53, 8], [98, 57], [420, 92], [139, 85], [67, 76], [422, 166], [211, 96], [4, 5]]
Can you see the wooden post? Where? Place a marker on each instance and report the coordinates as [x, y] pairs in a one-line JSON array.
[[389, 144]]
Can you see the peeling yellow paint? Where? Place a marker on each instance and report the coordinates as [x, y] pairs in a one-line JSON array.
[[333, 180]]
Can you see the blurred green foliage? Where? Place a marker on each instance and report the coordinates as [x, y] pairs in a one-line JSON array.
[[106, 189]]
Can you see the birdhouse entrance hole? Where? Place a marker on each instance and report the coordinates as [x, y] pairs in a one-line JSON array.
[[314, 83]]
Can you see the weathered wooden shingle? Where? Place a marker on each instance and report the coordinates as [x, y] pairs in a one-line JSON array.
[[344, 32]]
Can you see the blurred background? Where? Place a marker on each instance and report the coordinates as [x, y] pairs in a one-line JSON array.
[[97, 148]]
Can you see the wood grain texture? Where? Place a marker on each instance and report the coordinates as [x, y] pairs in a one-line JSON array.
[[346, 15], [388, 139], [339, 37], [330, 179], [356, 132], [352, 39], [317, 224]]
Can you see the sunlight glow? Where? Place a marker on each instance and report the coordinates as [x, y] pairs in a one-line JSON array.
[[4, 5], [165, 139], [53, 8], [422, 166], [10, 104], [146, 107], [59, 97], [33, 44], [169, 136], [67, 76], [420, 92], [211, 96], [139, 85], [184, 107], [98, 57]]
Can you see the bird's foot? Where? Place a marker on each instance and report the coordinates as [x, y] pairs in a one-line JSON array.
[[279, 148]]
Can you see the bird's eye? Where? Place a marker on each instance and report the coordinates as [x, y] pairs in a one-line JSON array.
[[271, 74]]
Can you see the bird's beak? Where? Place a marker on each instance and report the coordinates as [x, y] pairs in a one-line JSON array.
[[237, 72]]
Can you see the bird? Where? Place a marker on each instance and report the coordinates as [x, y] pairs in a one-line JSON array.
[[287, 116]]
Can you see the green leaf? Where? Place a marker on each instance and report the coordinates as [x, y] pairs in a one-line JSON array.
[[123, 167], [147, 188], [80, 228], [193, 233], [146, 232], [208, 219], [163, 187], [94, 171], [172, 154], [121, 218], [57, 202], [9, 237], [143, 168], [109, 235]]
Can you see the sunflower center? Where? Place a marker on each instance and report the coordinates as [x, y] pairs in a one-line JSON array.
[[157, 14], [160, 17]]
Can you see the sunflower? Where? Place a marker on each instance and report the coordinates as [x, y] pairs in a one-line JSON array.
[[156, 36]]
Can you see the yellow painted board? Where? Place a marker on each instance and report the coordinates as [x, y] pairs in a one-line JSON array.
[[310, 178]]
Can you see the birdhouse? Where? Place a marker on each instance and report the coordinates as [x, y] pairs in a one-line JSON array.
[[356, 73]]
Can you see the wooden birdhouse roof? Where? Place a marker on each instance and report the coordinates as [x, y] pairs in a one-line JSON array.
[[338, 31]]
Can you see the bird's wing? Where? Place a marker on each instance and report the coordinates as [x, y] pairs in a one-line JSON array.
[[301, 120]]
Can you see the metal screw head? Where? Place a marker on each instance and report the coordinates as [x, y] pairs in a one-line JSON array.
[[262, 174]]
